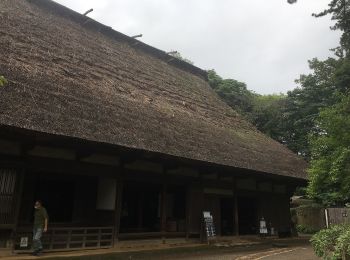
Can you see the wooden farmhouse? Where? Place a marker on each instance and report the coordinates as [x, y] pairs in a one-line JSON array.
[[122, 141]]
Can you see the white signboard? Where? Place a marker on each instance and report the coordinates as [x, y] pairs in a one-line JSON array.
[[24, 242], [263, 228], [209, 224], [206, 214]]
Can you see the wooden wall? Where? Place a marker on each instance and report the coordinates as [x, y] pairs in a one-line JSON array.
[[196, 200], [275, 209]]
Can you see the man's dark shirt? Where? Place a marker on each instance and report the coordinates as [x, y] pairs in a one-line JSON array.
[[40, 215]]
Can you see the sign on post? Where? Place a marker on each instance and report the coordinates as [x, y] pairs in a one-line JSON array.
[[23, 242], [209, 225], [263, 227]]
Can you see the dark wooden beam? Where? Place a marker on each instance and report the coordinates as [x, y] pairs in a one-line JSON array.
[[163, 210], [83, 153], [18, 196], [188, 198], [118, 210], [202, 231], [140, 210], [73, 167], [235, 208]]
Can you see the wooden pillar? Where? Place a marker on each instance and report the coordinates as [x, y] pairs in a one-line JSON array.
[[235, 208], [17, 200], [202, 231], [163, 211], [118, 210], [18, 195], [140, 210], [188, 217]]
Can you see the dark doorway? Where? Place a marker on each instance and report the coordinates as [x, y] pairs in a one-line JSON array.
[[140, 208], [247, 216], [176, 208], [227, 216], [57, 197]]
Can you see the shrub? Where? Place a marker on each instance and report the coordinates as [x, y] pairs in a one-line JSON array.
[[342, 247], [332, 243], [306, 229]]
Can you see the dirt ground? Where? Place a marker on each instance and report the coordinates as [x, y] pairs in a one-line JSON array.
[[278, 250]]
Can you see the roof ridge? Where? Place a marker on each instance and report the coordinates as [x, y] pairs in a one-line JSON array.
[[90, 23]]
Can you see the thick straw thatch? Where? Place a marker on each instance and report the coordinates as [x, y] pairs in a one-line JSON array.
[[72, 76]]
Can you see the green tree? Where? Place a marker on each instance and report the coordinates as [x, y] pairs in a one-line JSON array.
[[330, 131], [290, 118], [330, 165], [340, 12], [342, 75], [233, 92], [267, 115], [302, 105]]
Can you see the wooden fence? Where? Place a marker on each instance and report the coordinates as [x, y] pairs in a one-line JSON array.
[[67, 239], [336, 216], [311, 217]]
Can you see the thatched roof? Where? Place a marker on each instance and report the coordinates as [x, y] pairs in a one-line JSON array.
[[69, 75]]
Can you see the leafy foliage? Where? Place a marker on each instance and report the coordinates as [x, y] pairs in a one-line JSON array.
[[330, 139], [178, 55], [305, 229], [233, 92], [268, 115], [340, 11], [332, 243], [317, 90], [300, 191], [289, 118], [3, 81], [330, 166], [264, 111]]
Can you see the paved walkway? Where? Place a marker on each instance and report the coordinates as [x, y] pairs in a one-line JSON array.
[[295, 253]]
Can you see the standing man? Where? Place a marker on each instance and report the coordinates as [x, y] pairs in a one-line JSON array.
[[41, 220]]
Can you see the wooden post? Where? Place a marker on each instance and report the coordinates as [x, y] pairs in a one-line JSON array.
[[235, 208], [140, 210], [202, 231], [118, 210], [84, 238], [163, 211], [188, 217], [99, 237], [53, 237], [17, 200], [69, 238]]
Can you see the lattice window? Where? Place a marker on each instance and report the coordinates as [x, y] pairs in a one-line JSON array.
[[7, 196]]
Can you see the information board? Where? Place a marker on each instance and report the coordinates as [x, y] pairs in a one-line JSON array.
[[209, 225], [24, 242]]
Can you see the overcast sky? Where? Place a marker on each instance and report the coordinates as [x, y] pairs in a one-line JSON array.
[[265, 44]]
